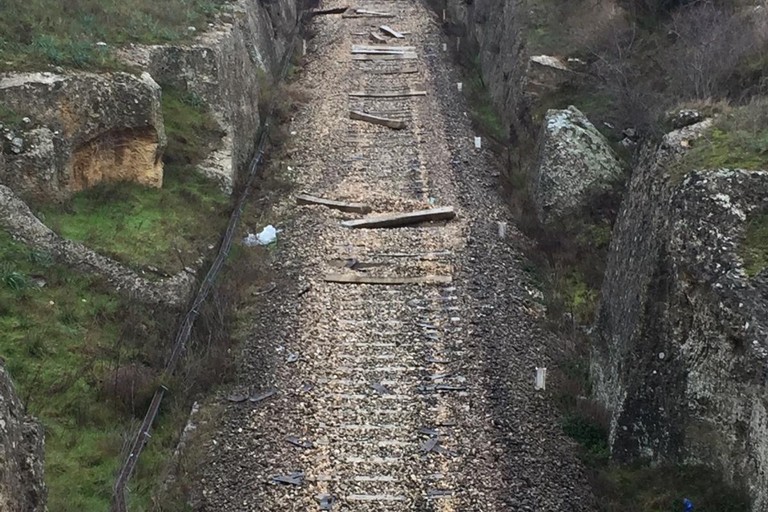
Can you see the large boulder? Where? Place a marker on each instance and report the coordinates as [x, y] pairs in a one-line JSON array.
[[21, 454], [78, 130], [574, 163], [680, 344]]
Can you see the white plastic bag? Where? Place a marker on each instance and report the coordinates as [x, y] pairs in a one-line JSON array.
[[266, 237]]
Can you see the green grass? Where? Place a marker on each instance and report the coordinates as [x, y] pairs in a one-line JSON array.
[[754, 248], [57, 344], [481, 108], [167, 228], [738, 140], [37, 33]]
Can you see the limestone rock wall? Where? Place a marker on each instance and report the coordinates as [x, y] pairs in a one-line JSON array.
[[81, 129], [680, 353], [21, 454]]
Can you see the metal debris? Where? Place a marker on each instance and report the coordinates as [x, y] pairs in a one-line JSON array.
[[295, 441], [263, 395], [295, 478]]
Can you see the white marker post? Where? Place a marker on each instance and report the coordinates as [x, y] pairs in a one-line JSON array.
[[303, 46], [445, 47], [478, 143], [443, 14], [458, 43], [541, 379], [459, 86], [502, 229]]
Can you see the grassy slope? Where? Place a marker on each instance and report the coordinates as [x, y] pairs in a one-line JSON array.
[[36, 33], [60, 342], [55, 341], [167, 228]]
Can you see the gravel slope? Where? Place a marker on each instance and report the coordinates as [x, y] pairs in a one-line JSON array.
[[414, 397]]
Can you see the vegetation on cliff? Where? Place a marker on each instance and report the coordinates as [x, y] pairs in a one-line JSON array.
[[38, 33]]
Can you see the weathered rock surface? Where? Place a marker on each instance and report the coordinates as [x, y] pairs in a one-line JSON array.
[[492, 33], [21, 454], [21, 223], [85, 128], [574, 162], [226, 67], [680, 351]]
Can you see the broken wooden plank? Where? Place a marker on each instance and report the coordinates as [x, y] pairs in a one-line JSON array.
[[393, 220], [336, 205], [395, 124], [372, 13], [362, 48], [376, 38], [385, 280], [335, 10], [363, 94], [387, 30], [405, 70], [401, 56]]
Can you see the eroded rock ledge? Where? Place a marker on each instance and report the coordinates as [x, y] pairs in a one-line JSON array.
[[81, 129], [21, 223]]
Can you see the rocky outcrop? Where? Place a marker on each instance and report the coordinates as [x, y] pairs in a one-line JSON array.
[[574, 162], [17, 219], [21, 454], [81, 129], [226, 67], [680, 354]]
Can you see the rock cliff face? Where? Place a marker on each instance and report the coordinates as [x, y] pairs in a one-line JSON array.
[[226, 67], [21, 454], [680, 353], [81, 129], [492, 32], [573, 161]]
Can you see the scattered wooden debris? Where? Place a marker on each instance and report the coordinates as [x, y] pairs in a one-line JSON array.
[[336, 205], [390, 32], [404, 94], [376, 38], [386, 56], [395, 124], [335, 10], [393, 220], [385, 280]]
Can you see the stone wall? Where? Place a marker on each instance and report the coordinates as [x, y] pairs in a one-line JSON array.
[[680, 353]]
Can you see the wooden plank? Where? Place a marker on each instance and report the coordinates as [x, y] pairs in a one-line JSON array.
[[368, 12], [403, 56], [393, 33], [336, 205], [348, 278], [362, 48], [363, 94], [376, 38], [393, 220], [395, 124], [406, 70], [335, 10]]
